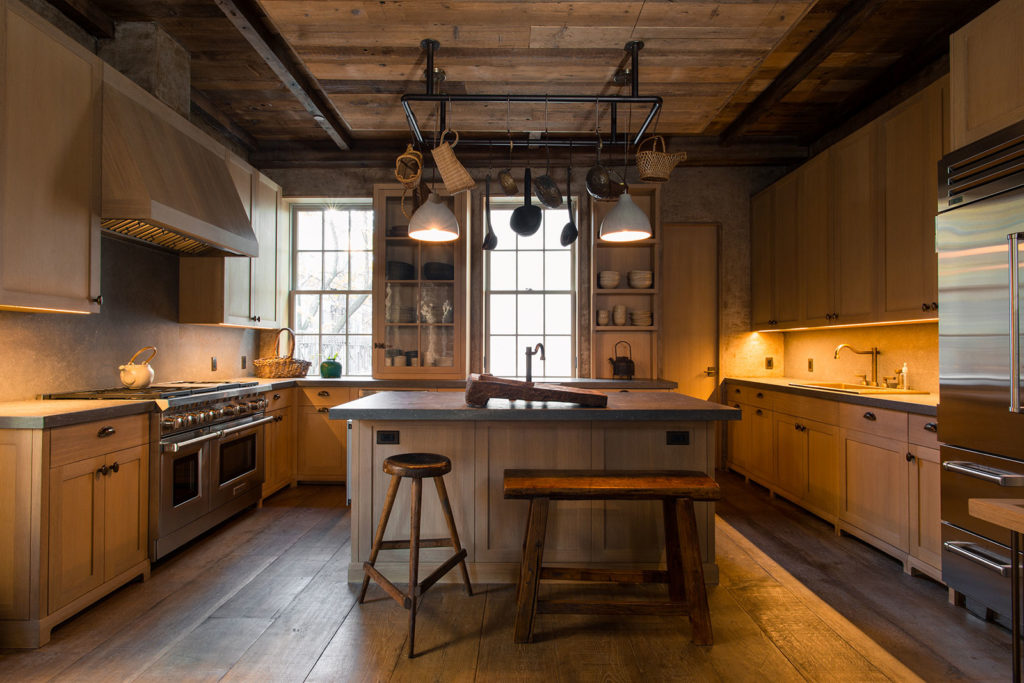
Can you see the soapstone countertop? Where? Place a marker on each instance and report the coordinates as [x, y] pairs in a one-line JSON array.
[[920, 404], [61, 413], [622, 406]]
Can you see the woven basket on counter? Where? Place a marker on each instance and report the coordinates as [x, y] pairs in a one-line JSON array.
[[654, 165], [282, 366]]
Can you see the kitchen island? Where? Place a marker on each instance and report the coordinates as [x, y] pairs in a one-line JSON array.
[[656, 430]]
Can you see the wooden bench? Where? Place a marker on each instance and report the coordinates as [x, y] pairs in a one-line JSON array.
[[677, 489]]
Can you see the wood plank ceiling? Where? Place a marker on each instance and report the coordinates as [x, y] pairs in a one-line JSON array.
[[713, 62]]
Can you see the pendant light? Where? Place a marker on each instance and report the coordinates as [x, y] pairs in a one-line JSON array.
[[626, 222], [434, 221]]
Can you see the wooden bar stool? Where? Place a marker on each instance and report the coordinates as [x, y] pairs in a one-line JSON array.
[[677, 489], [415, 466]]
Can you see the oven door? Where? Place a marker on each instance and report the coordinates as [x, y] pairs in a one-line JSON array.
[[184, 485], [236, 462]]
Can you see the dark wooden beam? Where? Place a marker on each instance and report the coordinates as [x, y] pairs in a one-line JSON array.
[[253, 24], [87, 15], [202, 105], [831, 37]]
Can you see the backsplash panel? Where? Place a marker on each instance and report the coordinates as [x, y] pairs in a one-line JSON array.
[[53, 352]]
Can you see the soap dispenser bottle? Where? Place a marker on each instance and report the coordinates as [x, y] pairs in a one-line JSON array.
[[904, 383]]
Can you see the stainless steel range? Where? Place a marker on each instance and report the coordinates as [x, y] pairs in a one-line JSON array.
[[206, 457]]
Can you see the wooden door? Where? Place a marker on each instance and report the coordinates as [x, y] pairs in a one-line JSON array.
[[265, 267], [912, 139], [125, 510], [785, 249], [279, 453], [762, 220], [814, 241], [857, 220], [689, 339], [321, 445], [925, 512], [822, 493], [49, 167], [762, 452], [738, 436], [790, 457], [873, 486], [76, 529]]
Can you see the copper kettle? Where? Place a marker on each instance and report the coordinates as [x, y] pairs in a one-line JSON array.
[[623, 367]]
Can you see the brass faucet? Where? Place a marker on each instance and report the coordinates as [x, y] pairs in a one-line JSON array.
[[874, 360], [539, 348]]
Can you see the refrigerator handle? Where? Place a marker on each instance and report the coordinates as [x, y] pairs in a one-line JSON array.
[[1014, 240]]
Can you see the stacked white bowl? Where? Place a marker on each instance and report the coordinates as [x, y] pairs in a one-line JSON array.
[[619, 314], [641, 279], [641, 318], [608, 279]]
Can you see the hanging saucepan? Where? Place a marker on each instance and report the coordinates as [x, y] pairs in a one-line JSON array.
[[545, 188], [526, 219]]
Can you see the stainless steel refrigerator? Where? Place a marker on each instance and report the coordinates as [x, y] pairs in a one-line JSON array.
[[979, 237]]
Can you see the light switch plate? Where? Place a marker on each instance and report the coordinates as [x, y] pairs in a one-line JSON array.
[[213, 363], [810, 365], [769, 363]]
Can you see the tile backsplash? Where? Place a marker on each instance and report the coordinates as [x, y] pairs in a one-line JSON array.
[[916, 345]]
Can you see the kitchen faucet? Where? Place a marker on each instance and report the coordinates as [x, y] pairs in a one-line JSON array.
[[874, 360], [539, 348]]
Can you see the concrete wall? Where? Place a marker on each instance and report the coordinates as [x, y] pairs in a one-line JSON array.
[[52, 352]]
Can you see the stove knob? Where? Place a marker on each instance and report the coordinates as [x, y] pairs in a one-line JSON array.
[[189, 420], [256, 405], [242, 408], [210, 415], [169, 423], [227, 411]]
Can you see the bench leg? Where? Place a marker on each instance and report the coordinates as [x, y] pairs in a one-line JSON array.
[[414, 557], [693, 573], [378, 538], [673, 555], [446, 508], [529, 571]]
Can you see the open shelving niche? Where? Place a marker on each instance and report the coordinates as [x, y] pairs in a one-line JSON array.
[[624, 257]]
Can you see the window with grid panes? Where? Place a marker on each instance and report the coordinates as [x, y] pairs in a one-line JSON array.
[[530, 297], [332, 285]]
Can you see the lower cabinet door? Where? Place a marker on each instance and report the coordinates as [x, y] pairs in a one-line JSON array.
[[791, 457], [822, 493], [125, 510], [279, 451], [75, 530], [739, 438], [321, 445], [925, 506], [873, 486], [762, 451]]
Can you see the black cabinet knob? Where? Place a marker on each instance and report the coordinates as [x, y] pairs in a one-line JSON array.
[[323, 394], [870, 416], [98, 300], [931, 427], [106, 431], [116, 467], [910, 457]]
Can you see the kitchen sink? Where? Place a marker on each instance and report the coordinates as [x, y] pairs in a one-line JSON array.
[[853, 388]]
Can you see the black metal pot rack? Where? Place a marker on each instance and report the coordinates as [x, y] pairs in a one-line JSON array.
[[632, 47]]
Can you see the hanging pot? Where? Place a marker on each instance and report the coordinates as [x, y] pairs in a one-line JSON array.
[[597, 178], [546, 189], [623, 366], [526, 219]]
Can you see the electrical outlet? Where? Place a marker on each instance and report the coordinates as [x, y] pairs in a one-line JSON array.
[[769, 363], [243, 362], [810, 365], [213, 363]]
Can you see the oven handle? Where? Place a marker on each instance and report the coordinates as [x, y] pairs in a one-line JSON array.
[[254, 423], [960, 548], [172, 447], [989, 474]]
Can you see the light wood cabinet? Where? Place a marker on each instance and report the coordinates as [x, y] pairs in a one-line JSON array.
[[806, 456], [279, 442], [320, 442], [237, 290], [986, 73], [815, 248], [925, 510], [873, 488], [419, 294], [762, 222], [774, 277], [622, 257], [50, 174]]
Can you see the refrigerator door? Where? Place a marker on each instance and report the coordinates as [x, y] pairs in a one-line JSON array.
[[975, 373]]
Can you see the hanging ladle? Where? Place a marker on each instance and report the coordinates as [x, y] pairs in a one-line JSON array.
[[526, 219], [490, 239]]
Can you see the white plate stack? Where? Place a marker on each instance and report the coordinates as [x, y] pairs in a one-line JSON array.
[[641, 318], [608, 279], [641, 279]]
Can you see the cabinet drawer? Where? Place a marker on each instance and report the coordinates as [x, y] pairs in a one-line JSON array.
[[891, 424], [922, 430], [752, 396], [78, 442], [323, 396], [806, 407], [282, 398]]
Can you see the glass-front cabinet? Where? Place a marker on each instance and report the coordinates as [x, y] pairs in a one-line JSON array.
[[420, 293]]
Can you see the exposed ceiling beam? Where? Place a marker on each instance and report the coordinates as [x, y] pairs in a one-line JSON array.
[[252, 23], [87, 15], [202, 104], [700, 150], [831, 37]]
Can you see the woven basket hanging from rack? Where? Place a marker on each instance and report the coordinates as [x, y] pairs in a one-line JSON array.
[[654, 165], [282, 366], [409, 167], [455, 176]]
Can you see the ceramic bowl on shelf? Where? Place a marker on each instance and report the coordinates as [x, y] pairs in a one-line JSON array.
[[641, 318], [608, 279], [619, 315], [640, 279], [603, 316], [400, 270]]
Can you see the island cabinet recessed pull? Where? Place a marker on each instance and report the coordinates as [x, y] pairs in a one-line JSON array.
[[106, 431]]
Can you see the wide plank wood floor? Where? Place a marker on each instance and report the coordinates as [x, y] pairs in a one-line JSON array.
[[264, 597]]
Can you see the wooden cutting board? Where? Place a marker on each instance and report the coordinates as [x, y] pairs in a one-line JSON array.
[[481, 388]]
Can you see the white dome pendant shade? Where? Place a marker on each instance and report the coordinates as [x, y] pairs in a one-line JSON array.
[[434, 222], [625, 223]]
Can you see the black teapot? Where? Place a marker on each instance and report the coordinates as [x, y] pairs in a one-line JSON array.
[[623, 366]]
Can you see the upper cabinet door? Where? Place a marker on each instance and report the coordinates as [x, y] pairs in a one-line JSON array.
[[814, 242], [986, 70], [785, 244], [762, 218], [265, 267], [50, 177]]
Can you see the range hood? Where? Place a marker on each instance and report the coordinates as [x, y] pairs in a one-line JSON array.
[[164, 181]]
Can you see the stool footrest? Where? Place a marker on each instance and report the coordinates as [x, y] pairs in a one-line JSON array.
[[389, 587], [435, 575], [604, 575], [424, 543], [607, 607]]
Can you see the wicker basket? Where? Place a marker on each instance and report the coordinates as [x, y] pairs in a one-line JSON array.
[[409, 167], [282, 366], [455, 176], [654, 165]]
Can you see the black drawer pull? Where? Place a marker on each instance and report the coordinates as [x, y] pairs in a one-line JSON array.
[[931, 427], [323, 394], [759, 412], [870, 416], [106, 431], [322, 410], [910, 457], [737, 390], [760, 395], [277, 397], [103, 471]]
